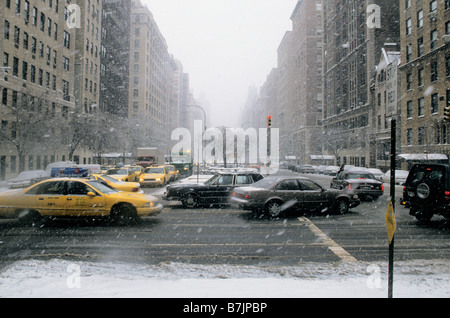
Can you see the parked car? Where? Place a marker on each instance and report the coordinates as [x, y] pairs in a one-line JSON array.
[[275, 195], [305, 169], [73, 197], [400, 176], [154, 176], [27, 178], [427, 191], [331, 170], [117, 184], [362, 183], [378, 174], [215, 190], [321, 169]]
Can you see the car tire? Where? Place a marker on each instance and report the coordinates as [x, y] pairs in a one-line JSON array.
[[273, 208], [190, 201], [341, 206], [123, 214], [421, 213], [30, 218]]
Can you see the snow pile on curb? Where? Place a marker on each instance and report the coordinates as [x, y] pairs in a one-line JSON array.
[[61, 278]]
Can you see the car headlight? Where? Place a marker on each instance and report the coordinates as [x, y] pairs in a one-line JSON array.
[[148, 205]]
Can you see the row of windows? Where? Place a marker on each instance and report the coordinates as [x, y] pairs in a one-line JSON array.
[[434, 105], [37, 75], [434, 74], [423, 137], [31, 103]]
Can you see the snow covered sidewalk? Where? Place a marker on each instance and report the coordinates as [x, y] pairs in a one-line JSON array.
[[60, 278]]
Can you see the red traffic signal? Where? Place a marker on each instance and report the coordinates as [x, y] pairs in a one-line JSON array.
[[269, 120]]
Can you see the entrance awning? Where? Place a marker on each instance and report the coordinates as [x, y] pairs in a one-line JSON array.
[[423, 156]]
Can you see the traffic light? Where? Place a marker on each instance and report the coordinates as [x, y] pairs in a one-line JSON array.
[[269, 120], [447, 113]]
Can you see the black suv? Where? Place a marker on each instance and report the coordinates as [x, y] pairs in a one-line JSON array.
[[427, 191], [216, 190]]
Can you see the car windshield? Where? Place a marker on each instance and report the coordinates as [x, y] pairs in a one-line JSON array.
[[101, 187], [265, 183], [117, 171], [106, 177], [359, 176], [154, 170]]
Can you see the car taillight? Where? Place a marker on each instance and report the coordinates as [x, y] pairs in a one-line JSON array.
[[247, 196], [349, 186], [447, 195], [382, 187]]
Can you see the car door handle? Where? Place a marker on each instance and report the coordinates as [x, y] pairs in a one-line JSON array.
[[69, 199], [41, 199]]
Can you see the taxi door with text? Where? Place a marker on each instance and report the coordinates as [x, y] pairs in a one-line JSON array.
[[79, 203]]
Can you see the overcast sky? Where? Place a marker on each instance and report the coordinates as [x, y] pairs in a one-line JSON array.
[[225, 46]]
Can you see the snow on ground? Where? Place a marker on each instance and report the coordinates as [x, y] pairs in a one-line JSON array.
[[60, 278]]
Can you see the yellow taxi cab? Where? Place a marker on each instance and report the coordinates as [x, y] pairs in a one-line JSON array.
[[155, 175], [173, 172], [104, 168], [137, 171], [117, 184], [69, 197], [122, 174]]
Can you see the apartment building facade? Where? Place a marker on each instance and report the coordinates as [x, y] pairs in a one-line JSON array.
[[352, 45], [307, 32], [425, 73], [36, 83], [151, 78]]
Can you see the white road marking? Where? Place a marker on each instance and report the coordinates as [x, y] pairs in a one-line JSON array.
[[327, 241]]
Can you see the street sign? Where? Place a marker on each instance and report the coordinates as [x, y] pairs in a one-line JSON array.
[[391, 89], [391, 224]]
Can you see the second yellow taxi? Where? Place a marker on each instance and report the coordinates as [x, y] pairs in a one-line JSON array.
[[156, 175]]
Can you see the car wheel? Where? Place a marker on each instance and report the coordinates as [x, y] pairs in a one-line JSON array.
[[123, 214], [273, 208], [190, 201], [341, 206], [421, 213], [30, 218]]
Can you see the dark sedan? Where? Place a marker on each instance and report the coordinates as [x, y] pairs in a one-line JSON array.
[[215, 190], [361, 182], [275, 195]]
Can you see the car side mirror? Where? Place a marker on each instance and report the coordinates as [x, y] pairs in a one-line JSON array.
[[91, 194]]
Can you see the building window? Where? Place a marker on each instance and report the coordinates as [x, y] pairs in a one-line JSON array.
[[24, 70], [408, 26], [420, 48], [6, 31], [434, 71], [409, 109], [420, 107], [433, 39], [433, 6], [420, 77], [409, 136], [16, 36], [434, 103], [408, 53], [447, 66], [420, 19], [422, 136]]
